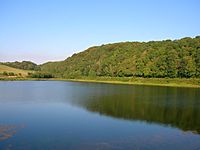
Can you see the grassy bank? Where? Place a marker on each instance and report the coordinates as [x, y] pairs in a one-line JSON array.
[[23, 79], [175, 82], [171, 82]]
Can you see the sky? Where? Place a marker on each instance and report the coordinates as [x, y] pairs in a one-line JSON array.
[[51, 30]]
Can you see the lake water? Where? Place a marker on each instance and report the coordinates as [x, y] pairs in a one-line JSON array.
[[51, 115]]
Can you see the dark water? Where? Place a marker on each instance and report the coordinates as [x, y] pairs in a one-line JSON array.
[[87, 116]]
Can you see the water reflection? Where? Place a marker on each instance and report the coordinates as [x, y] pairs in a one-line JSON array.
[[64, 115], [177, 107]]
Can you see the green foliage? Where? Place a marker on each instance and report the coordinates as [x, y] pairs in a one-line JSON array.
[[5, 73], [155, 59], [197, 60], [40, 75], [25, 65]]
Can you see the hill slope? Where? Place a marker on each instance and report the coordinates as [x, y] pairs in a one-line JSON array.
[[7, 69], [178, 58], [25, 65]]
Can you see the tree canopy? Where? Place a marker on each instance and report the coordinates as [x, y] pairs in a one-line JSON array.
[[155, 59]]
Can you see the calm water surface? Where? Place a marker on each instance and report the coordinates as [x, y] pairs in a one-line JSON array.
[[60, 115]]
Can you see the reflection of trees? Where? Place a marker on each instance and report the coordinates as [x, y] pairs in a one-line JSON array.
[[177, 107]]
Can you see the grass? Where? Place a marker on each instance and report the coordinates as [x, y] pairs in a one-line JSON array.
[[4, 68], [171, 82]]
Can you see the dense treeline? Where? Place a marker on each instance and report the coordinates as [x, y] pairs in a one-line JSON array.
[[25, 65], [157, 59], [40, 75]]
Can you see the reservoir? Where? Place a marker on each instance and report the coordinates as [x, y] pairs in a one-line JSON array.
[[62, 115]]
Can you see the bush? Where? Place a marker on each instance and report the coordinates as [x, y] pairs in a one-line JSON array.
[[11, 74], [5, 73], [40, 75], [8, 73]]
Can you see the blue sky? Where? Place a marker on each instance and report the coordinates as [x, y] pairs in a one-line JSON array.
[[48, 30]]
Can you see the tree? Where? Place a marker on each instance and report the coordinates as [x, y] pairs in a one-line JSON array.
[[197, 61]]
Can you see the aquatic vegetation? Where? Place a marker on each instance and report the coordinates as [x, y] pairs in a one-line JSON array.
[[8, 131]]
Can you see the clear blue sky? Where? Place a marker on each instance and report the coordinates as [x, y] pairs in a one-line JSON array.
[[47, 30]]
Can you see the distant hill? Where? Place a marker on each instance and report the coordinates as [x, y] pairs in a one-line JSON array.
[[157, 59], [25, 65], [9, 71]]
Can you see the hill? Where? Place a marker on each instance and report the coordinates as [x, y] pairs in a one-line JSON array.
[[9, 71], [25, 65], [155, 59]]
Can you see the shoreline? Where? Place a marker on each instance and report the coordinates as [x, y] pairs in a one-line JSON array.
[[165, 82], [184, 85]]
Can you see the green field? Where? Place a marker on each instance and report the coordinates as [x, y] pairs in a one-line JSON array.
[[17, 72]]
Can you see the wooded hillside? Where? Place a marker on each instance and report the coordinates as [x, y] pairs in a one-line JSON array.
[[158, 59]]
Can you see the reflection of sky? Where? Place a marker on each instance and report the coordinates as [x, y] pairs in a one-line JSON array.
[[60, 124], [50, 121]]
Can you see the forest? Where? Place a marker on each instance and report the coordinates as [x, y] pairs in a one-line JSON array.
[[153, 59]]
